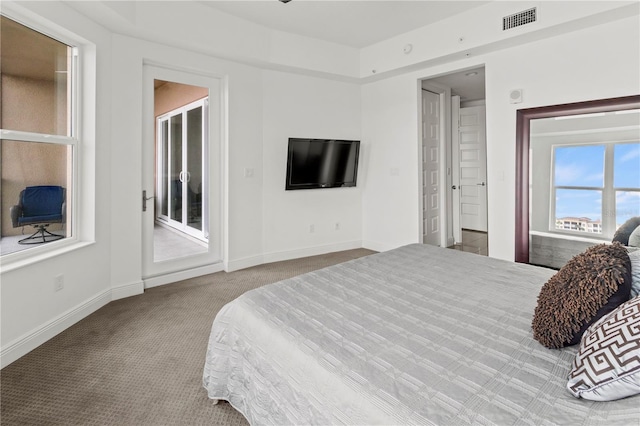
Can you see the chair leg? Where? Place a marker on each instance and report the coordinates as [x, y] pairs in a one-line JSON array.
[[41, 236]]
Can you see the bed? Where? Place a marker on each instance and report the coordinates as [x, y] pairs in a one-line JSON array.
[[415, 335]]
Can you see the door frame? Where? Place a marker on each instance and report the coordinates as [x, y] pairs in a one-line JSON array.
[[211, 260], [446, 236]]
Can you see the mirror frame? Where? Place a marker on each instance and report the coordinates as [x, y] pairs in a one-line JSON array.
[[523, 144]]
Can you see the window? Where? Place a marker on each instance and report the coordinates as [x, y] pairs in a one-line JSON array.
[[596, 188], [38, 140], [626, 181]]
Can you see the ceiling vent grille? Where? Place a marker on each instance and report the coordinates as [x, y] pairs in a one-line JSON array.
[[518, 19]]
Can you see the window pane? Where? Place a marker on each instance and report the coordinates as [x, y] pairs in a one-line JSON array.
[[627, 165], [579, 210], [31, 164], [175, 165], [579, 166], [194, 168], [35, 75], [164, 152], [627, 206]]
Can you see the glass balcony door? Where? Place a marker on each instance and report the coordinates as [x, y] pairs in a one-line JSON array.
[[181, 174]]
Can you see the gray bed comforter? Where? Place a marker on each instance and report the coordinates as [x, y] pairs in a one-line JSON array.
[[415, 335]]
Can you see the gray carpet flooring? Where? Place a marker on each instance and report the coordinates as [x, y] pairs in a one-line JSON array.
[[139, 360]]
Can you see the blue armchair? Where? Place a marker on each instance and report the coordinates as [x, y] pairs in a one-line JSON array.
[[40, 206]]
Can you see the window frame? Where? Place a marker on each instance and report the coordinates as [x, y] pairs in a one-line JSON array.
[[81, 226]]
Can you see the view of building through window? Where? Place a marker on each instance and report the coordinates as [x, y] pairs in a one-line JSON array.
[[589, 186]]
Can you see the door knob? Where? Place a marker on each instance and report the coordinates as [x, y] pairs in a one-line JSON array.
[[480, 184], [454, 187]]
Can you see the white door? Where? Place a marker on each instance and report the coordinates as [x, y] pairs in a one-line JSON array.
[[431, 226], [472, 155], [181, 259]]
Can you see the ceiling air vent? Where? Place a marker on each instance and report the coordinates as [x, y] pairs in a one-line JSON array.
[[518, 19]]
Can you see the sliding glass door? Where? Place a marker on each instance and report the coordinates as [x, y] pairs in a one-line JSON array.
[[182, 175]]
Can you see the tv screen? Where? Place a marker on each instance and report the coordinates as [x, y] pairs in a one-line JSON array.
[[321, 163]]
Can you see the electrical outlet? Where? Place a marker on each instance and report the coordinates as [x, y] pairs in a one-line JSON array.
[[337, 226], [58, 282], [312, 228]]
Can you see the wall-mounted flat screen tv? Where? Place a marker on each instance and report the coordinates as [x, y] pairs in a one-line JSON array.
[[321, 163]]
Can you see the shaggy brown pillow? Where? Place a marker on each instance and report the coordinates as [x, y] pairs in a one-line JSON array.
[[589, 286]]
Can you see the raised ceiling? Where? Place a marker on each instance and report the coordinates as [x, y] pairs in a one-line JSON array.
[[351, 23]]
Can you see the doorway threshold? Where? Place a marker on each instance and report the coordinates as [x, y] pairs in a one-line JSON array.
[[169, 244]]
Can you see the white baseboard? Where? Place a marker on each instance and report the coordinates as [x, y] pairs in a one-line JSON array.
[[247, 262], [181, 275], [28, 342], [376, 246], [310, 251], [127, 290]]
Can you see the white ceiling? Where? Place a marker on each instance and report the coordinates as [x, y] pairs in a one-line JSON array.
[[355, 23], [359, 23]]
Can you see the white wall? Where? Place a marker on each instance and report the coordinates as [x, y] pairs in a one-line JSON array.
[[31, 312], [390, 136], [261, 221], [595, 63], [598, 62], [307, 107]]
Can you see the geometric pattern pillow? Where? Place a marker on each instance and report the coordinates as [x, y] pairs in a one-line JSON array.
[[607, 366]]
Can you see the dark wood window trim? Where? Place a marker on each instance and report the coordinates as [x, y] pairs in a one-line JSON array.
[[523, 119]]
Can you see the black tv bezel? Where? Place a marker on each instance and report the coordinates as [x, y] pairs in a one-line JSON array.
[[351, 184]]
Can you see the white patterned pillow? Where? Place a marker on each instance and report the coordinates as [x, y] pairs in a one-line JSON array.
[[607, 365]]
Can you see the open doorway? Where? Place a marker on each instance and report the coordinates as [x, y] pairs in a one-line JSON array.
[[461, 127], [182, 187], [181, 202]]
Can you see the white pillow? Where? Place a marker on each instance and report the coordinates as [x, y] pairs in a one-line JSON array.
[[607, 365], [635, 273]]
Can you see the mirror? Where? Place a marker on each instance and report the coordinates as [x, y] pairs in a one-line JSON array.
[[577, 177]]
